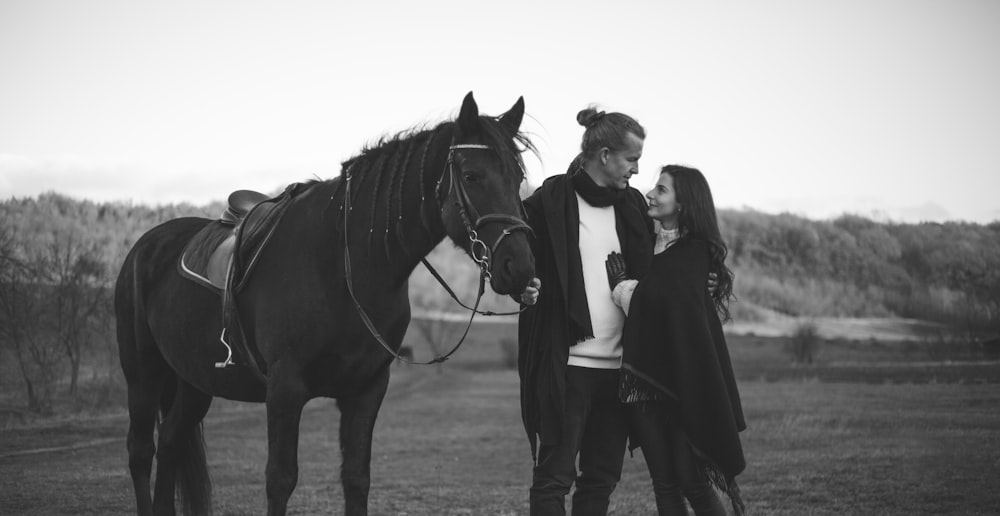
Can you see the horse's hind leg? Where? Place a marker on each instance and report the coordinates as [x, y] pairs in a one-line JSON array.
[[357, 423], [143, 403], [180, 461], [145, 373]]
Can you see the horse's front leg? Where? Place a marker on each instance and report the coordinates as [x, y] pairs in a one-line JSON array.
[[286, 395], [357, 422]]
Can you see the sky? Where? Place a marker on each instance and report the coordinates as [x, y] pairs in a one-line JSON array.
[[883, 108]]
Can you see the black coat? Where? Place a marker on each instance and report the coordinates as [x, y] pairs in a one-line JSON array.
[[544, 335]]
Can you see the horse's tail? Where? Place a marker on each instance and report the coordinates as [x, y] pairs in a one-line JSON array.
[[194, 486]]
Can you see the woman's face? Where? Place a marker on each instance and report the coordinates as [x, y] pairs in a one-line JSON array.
[[663, 200]]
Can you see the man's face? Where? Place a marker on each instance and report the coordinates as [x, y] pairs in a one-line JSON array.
[[619, 166]]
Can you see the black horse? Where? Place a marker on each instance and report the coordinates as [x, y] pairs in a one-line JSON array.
[[302, 322]]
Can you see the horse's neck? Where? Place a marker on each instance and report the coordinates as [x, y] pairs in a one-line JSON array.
[[395, 214]]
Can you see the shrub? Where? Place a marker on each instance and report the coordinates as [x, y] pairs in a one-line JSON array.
[[804, 343]]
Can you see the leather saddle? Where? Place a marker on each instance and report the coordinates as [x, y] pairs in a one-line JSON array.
[[209, 255], [221, 256], [239, 204]]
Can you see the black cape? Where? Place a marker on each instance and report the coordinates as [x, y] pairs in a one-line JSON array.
[[545, 331], [673, 344]]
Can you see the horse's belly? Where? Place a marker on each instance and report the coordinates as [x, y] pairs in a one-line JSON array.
[[189, 338], [235, 382], [336, 376]]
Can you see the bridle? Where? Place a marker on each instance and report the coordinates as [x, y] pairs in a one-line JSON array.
[[480, 252]]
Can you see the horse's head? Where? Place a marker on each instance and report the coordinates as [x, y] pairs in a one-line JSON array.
[[479, 191]]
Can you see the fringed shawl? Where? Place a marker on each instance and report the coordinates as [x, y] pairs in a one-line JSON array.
[[674, 350]]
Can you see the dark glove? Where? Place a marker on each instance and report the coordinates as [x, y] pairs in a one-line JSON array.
[[615, 266]]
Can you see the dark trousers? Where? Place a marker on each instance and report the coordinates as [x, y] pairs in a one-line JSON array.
[[673, 467], [595, 427]]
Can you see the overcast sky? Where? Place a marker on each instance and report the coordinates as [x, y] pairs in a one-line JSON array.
[[885, 108]]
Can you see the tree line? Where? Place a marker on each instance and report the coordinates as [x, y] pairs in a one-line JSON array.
[[59, 258], [853, 266], [58, 261]]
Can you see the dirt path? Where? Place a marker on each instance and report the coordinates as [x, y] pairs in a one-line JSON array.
[[54, 449]]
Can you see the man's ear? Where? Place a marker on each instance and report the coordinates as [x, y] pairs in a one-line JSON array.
[[604, 155]]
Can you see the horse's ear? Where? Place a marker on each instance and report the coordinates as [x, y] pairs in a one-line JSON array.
[[512, 118], [468, 117]]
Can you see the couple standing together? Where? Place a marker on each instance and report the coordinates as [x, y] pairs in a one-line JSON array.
[[623, 342]]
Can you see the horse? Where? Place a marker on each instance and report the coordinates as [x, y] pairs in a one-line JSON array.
[[311, 329]]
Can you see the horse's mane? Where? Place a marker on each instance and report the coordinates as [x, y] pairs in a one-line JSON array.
[[379, 170], [493, 132]]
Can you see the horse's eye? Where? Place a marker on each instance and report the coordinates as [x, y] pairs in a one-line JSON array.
[[469, 176]]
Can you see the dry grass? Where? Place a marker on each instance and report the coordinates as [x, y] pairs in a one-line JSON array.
[[451, 443]]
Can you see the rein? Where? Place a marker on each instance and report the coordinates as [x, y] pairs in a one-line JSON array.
[[481, 253]]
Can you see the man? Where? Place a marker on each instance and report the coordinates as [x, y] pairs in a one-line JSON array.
[[569, 342]]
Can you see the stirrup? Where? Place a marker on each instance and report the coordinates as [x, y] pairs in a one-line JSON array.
[[229, 358]]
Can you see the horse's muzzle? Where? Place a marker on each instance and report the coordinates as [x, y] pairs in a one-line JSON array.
[[513, 264]]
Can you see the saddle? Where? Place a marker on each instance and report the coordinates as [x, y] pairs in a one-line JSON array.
[[207, 257], [222, 255]]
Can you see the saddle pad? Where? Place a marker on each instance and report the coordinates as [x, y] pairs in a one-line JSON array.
[[207, 256], [219, 247]]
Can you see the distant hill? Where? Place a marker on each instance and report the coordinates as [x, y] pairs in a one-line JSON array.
[[848, 267]]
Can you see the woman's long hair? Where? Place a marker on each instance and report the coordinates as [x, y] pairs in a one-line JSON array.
[[697, 219]]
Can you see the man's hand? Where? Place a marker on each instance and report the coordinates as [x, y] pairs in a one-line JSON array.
[[615, 266], [530, 295], [713, 282]]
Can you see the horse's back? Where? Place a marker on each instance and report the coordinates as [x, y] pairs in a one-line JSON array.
[[155, 250], [166, 240], [149, 257]]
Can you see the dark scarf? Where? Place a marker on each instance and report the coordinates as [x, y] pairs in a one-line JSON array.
[[633, 234]]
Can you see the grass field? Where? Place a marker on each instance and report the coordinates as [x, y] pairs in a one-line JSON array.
[[852, 434]]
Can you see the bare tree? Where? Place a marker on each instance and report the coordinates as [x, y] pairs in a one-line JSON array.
[[77, 296], [21, 312]]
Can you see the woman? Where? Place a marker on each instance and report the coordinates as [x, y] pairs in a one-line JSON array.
[[677, 380]]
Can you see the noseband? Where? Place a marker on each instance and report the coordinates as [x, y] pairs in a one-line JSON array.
[[482, 254]]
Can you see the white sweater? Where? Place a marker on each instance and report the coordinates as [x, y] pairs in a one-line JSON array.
[[598, 238]]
